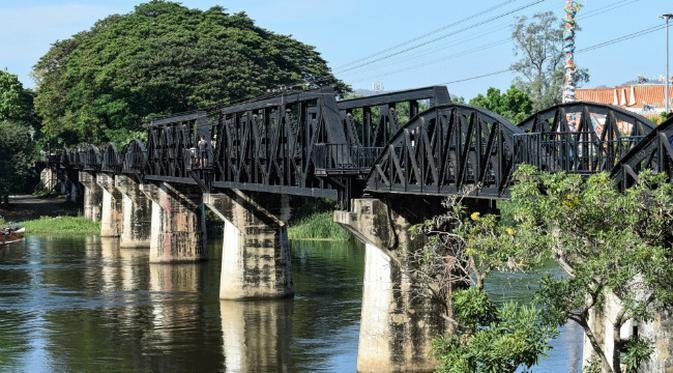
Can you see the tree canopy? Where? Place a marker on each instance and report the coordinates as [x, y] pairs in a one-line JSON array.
[[514, 104], [614, 246], [16, 103], [539, 42], [163, 58], [16, 143]]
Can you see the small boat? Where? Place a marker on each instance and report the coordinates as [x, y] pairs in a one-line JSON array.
[[9, 235]]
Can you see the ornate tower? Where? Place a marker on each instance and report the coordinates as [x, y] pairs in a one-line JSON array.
[[571, 9]]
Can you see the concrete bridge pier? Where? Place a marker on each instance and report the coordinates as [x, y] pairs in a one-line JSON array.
[[178, 224], [111, 212], [397, 325], [73, 190], [136, 213], [93, 196], [256, 251]]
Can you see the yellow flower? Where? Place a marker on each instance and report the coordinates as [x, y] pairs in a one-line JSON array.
[[475, 216], [510, 231]]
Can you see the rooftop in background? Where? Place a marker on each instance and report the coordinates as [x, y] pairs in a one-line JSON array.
[[642, 98]]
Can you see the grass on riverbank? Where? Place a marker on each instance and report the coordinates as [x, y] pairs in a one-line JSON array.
[[62, 224], [318, 226]]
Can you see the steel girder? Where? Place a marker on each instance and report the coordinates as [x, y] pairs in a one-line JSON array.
[[654, 152], [445, 150], [579, 137]]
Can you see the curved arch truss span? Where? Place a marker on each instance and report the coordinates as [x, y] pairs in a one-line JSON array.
[[446, 149], [654, 152], [579, 137]]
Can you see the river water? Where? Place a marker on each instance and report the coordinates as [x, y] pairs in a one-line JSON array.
[[82, 304]]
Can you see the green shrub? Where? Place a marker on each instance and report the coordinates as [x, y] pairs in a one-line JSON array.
[[318, 226], [62, 224]]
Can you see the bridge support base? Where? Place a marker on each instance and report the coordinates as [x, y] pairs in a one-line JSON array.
[[93, 196], [257, 335], [178, 228], [111, 213], [397, 325], [256, 251], [136, 213]]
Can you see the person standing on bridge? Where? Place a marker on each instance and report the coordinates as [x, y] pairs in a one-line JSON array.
[[203, 151]]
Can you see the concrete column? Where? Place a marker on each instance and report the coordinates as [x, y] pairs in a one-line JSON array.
[[256, 335], [397, 326], [178, 224], [659, 330], [93, 196], [256, 252], [73, 191], [111, 213], [136, 213]]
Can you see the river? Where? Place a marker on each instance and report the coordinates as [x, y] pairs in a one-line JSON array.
[[82, 304]]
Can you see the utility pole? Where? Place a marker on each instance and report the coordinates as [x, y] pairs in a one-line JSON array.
[[569, 86], [667, 17]]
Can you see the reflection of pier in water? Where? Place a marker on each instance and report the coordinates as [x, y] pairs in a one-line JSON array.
[[256, 335]]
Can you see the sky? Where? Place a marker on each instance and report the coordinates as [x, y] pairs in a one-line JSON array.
[[443, 41]]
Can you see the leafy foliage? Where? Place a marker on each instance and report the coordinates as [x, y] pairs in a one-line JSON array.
[[514, 104], [453, 268], [16, 103], [163, 58], [62, 225], [498, 340], [540, 43], [613, 246], [17, 153]]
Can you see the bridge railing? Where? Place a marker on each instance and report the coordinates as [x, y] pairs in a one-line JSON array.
[[573, 152], [344, 159]]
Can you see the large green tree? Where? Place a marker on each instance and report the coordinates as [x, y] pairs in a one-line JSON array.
[[538, 41], [163, 58], [513, 104], [16, 141], [17, 153], [614, 246]]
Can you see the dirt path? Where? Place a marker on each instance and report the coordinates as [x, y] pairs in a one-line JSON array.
[[26, 207]]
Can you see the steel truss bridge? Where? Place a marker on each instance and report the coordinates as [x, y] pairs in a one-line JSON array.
[[414, 142]]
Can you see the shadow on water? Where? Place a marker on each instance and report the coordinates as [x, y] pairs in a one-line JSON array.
[[82, 303]]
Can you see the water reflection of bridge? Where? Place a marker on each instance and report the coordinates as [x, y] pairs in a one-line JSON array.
[[387, 160]]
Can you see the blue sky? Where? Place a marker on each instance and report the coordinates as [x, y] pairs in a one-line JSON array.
[[348, 30]]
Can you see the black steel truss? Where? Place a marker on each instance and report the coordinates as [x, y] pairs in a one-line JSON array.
[[654, 152], [579, 137], [446, 149], [410, 142]]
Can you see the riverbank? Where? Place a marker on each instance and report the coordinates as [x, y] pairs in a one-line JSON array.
[[30, 207], [317, 227], [54, 215], [62, 225]]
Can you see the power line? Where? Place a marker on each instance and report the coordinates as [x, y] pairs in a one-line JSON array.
[[595, 12], [478, 76], [622, 38], [592, 13], [587, 49], [477, 49], [419, 37], [441, 37]]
